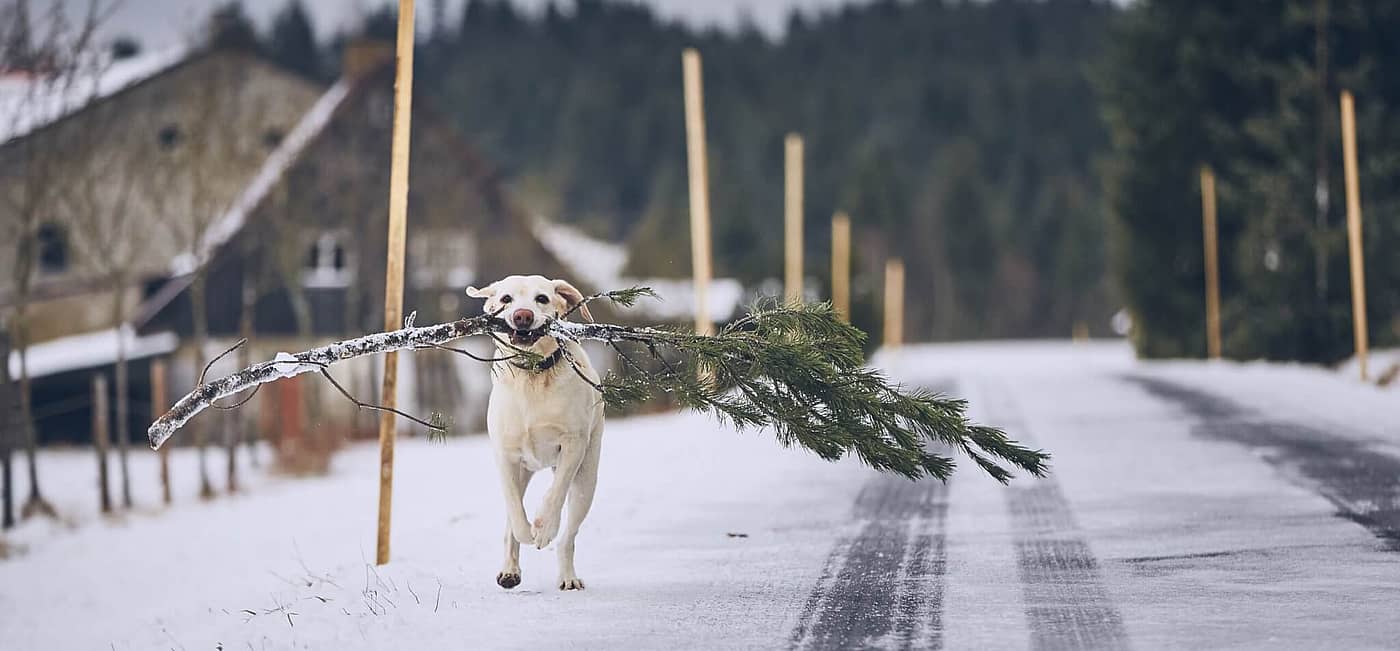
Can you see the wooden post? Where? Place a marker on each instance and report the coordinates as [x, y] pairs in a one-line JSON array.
[[841, 265], [894, 303], [1212, 263], [9, 407], [1358, 269], [792, 219], [698, 164], [100, 437], [1079, 331], [159, 403], [393, 277]]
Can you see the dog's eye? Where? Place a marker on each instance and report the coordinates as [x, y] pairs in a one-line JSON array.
[[541, 299], [505, 299]]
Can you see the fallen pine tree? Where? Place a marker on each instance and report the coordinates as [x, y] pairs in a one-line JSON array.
[[799, 370]]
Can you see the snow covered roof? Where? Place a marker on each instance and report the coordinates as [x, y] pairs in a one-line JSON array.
[[30, 103], [677, 298], [287, 152], [597, 262], [600, 263], [225, 226], [90, 350]]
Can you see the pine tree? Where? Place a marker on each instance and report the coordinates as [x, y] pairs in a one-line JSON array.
[[292, 42], [1237, 87], [586, 104]]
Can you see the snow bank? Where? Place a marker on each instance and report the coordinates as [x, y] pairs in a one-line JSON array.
[[288, 564]]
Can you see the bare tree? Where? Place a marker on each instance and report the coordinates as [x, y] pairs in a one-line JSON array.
[[57, 53], [199, 177], [106, 236]]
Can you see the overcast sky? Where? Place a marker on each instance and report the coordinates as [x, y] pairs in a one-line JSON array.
[[158, 23]]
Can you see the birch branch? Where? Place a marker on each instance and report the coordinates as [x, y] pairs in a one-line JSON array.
[[286, 365]]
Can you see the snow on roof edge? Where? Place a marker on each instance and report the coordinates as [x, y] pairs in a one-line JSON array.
[[31, 111], [278, 162], [90, 350], [600, 264], [597, 262]]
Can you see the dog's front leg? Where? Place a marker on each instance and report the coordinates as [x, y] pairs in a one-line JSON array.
[[546, 525], [509, 576], [513, 489]]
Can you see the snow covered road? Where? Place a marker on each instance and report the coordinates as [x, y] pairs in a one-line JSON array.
[[1191, 506]]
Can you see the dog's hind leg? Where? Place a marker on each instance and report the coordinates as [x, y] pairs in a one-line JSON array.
[[572, 449], [509, 577], [580, 500]]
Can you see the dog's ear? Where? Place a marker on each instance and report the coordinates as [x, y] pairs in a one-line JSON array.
[[572, 296], [487, 292]]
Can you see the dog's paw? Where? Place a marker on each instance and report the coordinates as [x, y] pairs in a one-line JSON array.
[[544, 530], [508, 580], [570, 583]]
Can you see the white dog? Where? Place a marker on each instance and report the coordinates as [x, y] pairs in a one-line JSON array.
[[542, 415]]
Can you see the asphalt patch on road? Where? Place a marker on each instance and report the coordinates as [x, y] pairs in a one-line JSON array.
[[1363, 483]]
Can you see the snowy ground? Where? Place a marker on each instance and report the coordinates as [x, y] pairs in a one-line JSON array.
[[1192, 505]]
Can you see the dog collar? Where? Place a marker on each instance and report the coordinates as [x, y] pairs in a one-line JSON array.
[[544, 364]]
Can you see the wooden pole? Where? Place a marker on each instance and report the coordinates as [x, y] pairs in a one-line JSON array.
[[792, 219], [699, 188], [841, 265], [1212, 263], [894, 303], [101, 437], [1358, 269], [393, 277], [159, 403]]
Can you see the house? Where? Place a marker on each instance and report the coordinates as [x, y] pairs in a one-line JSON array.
[[224, 180], [104, 178], [306, 242]]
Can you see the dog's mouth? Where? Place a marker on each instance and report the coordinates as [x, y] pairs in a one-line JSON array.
[[524, 337]]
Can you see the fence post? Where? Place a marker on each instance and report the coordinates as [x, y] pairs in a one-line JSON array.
[[698, 165], [841, 265], [159, 403], [9, 404], [894, 303], [1358, 269], [393, 276], [792, 218], [1212, 263], [100, 436]]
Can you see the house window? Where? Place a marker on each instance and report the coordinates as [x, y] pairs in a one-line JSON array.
[[327, 262], [52, 241], [442, 258], [169, 136]]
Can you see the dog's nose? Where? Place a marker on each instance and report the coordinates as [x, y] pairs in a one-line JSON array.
[[522, 319]]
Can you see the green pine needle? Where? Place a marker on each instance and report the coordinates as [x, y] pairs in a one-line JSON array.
[[440, 428], [800, 369], [629, 297]]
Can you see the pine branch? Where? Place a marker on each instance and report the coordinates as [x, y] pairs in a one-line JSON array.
[[797, 369]]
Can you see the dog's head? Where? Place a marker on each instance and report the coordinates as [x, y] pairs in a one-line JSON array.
[[526, 303]]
